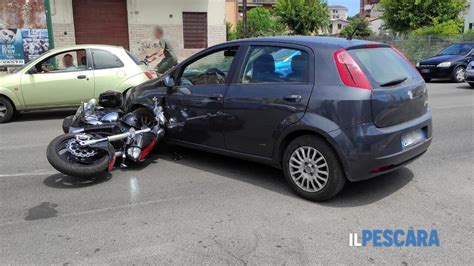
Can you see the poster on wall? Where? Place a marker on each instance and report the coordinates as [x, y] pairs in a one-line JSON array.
[[23, 31], [11, 47]]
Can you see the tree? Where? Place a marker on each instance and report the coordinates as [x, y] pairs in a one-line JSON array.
[[303, 17], [362, 25], [260, 22], [230, 33], [450, 27], [404, 16]]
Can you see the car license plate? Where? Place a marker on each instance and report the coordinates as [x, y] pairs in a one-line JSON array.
[[413, 138], [425, 70]]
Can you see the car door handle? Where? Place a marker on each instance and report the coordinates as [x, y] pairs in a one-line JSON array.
[[81, 77], [216, 97], [294, 98]]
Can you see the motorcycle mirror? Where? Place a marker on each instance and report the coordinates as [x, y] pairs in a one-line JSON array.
[[168, 81]]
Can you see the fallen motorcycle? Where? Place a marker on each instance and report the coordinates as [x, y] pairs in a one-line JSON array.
[[100, 132]]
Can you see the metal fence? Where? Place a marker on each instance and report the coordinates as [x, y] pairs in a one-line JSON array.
[[419, 47]]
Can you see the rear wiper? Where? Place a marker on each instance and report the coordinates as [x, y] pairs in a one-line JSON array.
[[393, 82]]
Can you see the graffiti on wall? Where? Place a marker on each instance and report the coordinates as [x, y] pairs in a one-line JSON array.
[[23, 31]]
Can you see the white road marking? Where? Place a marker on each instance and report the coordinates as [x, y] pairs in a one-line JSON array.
[[452, 106], [33, 173]]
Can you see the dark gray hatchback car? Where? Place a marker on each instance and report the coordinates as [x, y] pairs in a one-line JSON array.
[[325, 110]]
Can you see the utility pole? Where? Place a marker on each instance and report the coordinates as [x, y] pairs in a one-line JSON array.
[[244, 11], [49, 23]]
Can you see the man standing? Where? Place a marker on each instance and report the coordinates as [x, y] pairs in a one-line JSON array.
[[165, 50]]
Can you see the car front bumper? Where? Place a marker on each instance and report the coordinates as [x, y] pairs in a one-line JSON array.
[[470, 75], [432, 71], [368, 151]]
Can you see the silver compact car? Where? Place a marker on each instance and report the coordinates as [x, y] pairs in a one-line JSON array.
[[470, 74]]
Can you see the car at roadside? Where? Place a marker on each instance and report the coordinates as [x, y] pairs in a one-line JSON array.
[[65, 77], [450, 63], [470, 74], [347, 110]]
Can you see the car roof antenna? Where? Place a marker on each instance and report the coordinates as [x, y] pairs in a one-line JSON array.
[[354, 31]]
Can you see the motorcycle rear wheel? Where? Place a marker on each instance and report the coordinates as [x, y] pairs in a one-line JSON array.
[[65, 163]]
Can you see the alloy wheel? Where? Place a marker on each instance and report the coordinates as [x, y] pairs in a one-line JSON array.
[[460, 74], [3, 110], [309, 169]]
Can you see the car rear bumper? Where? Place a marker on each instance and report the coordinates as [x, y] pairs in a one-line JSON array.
[[367, 151], [435, 72]]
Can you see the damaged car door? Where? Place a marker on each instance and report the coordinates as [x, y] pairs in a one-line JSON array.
[[196, 105]]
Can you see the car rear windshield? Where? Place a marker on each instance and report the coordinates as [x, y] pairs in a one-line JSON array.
[[384, 65], [134, 58]]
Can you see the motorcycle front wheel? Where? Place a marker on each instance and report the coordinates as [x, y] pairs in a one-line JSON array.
[[61, 158]]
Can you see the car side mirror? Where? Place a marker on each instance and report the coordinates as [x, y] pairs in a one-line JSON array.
[[168, 81]]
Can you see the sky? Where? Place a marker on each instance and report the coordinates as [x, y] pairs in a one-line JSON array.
[[352, 5]]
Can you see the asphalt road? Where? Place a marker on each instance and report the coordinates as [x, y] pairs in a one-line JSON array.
[[208, 209]]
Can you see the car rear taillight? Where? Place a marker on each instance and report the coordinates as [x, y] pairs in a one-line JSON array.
[[350, 72], [149, 75]]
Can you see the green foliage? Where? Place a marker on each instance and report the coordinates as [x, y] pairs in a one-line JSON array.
[[260, 22], [407, 15], [450, 27], [419, 47], [230, 33], [362, 25], [303, 17]]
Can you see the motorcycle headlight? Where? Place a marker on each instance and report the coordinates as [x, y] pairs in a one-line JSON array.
[[134, 152], [444, 64]]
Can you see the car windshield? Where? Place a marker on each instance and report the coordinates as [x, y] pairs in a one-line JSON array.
[[457, 49]]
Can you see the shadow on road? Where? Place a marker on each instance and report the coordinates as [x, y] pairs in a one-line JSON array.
[[353, 194], [465, 86], [269, 178], [65, 181], [43, 115], [372, 190], [462, 85], [440, 81]]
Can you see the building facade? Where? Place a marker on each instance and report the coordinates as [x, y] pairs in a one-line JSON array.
[[469, 16], [338, 15], [367, 7], [372, 10], [189, 25]]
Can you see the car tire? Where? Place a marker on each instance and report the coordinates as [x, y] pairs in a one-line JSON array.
[[6, 110], [427, 79], [312, 168], [459, 74], [471, 84]]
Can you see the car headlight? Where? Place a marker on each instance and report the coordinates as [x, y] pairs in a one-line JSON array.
[[444, 64], [417, 64]]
